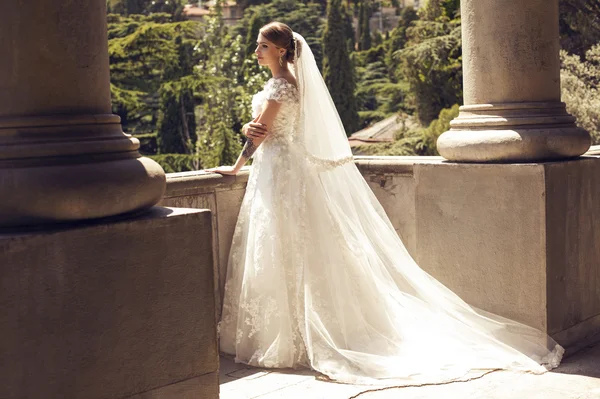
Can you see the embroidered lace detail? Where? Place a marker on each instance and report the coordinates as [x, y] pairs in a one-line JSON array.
[[284, 126], [284, 130], [328, 164], [281, 90], [277, 89], [254, 308]]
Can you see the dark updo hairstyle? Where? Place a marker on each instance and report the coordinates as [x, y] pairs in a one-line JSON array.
[[283, 37]]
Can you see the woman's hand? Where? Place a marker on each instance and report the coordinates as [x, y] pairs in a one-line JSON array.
[[224, 170], [255, 130]]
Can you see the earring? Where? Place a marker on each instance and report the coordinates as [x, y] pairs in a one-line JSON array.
[[281, 61]]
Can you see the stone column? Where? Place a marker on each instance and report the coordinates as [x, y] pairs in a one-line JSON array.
[[511, 65], [63, 154]]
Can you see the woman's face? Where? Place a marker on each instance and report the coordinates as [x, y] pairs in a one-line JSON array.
[[266, 52]]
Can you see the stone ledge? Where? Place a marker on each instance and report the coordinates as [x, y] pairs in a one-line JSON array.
[[107, 310], [201, 182]]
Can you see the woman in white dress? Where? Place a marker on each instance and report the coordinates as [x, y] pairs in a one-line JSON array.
[[317, 275]]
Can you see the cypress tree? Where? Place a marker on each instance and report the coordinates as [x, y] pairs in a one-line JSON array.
[[349, 29], [338, 70], [364, 41], [176, 125], [398, 38]]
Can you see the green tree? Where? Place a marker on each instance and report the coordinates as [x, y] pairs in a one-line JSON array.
[[436, 9], [364, 41], [431, 61], [146, 53], [398, 37], [579, 25], [219, 122], [451, 8], [338, 70], [348, 28], [176, 122], [377, 95]]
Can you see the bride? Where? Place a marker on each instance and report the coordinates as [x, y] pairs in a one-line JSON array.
[[317, 275]]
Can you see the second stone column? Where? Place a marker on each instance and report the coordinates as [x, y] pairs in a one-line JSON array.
[[511, 65]]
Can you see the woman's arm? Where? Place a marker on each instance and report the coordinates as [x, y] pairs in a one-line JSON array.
[[256, 132]]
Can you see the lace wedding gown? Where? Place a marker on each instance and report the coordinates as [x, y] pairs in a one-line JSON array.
[[318, 278]]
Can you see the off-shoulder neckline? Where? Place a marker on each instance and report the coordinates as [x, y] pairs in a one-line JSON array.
[[286, 81]]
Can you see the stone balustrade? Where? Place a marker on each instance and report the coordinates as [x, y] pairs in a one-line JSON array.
[[525, 251]]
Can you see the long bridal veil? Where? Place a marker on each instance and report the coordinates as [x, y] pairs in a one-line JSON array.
[[367, 311]]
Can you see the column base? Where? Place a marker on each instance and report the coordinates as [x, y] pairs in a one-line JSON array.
[[72, 167], [70, 192], [518, 132]]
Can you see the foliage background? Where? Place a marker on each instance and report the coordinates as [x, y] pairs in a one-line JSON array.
[[184, 88]]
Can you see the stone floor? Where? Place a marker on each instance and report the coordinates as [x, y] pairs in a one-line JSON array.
[[577, 378]]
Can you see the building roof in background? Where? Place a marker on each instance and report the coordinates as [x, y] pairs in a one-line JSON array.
[[192, 10], [230, 3], [195, 11], [380, 132]]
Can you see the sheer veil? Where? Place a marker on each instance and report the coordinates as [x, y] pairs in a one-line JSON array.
[[368, 312], [318, 114]]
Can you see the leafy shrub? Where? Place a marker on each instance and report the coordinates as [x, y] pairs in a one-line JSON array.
[[580, 82]]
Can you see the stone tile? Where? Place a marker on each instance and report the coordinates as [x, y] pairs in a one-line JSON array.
[[205, 386], [255, 383], [314, 389], [501, 385], [577, 378], [248, 374], [228, 365]]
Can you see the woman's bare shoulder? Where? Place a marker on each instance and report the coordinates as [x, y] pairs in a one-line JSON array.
[[289, 78]]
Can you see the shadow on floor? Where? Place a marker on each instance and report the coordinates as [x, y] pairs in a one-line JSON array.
[[585, 362]]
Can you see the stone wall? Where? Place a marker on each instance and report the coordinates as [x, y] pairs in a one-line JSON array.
[[223, 196], [516, 239]]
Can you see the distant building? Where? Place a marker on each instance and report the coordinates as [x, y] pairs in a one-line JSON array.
[[194, 12], [197, 11], [412, 3], [385, 18], [380, 132]]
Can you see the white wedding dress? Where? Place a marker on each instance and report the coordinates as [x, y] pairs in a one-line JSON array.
[[318, 277]]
